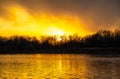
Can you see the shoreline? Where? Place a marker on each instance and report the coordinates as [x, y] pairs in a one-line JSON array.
[[96, 50]]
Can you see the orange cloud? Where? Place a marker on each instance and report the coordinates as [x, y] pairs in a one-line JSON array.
[[22, 22]]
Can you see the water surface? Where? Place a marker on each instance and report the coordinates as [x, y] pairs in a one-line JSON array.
[[59, 66]]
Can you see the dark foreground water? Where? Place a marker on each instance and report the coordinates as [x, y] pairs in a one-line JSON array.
[[59, 66]]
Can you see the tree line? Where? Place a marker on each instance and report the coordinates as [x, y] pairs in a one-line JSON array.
[[51, 44]]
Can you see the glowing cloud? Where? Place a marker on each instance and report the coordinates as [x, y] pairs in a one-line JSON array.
[[22, 22]]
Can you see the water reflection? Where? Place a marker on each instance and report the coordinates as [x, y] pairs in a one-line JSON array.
[[62, 66], [58, 66]]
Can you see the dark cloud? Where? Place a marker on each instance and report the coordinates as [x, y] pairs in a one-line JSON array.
[[93, 12]]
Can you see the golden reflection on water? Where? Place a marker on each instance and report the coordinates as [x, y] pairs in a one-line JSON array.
[[65, 66], [57, 66], [40, 66], [60, 63]]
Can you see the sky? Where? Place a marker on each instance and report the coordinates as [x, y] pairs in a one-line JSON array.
[[58, 17]]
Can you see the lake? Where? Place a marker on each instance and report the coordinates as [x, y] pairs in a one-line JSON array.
[[59, 66]]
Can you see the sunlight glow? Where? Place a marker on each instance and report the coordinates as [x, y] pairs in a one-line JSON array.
[[59, 39], [22, 22], [55, 31]]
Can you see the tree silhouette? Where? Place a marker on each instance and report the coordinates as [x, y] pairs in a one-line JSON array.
[[26, 44]]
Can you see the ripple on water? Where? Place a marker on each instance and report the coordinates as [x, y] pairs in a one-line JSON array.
[[64, 67]]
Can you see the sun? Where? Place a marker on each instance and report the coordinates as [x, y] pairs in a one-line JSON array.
[[59, 39]]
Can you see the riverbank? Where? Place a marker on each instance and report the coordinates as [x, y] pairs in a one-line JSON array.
[[67, 51]]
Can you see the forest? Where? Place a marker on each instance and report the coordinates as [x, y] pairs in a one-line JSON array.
[[103, 40]]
